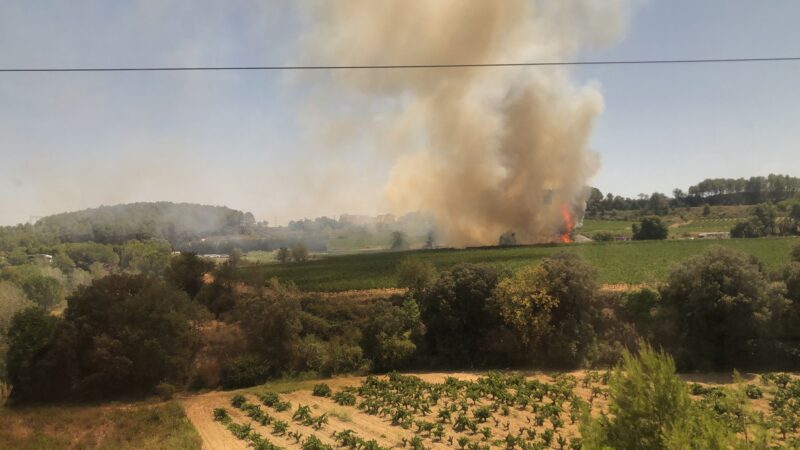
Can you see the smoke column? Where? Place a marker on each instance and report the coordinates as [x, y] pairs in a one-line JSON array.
[[484, 150]]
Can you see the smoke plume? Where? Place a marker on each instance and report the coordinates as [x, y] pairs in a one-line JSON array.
[[484, 150]]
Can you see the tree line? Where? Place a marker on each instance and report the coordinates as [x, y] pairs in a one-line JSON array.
[[125, 334], [713, 191]]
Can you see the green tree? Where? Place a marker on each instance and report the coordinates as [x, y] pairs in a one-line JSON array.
[[146, 257], [45, 291], [572, 282], [525, 305], [29, 334], [12, 301], [717, 303], [133, 331], [763, 222], [457, 315], [273, 326], [186, 271], [650, 228], [658, 204], [650, 408], [391, 335]]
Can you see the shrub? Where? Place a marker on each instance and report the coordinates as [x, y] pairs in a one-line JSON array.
[[322, 390], [344, 398], [165, 391], [243, 371], [313, 443], [650, 408], [753, 392], [415, 274], [237, 401], [716, 304], [221, 415], [650, 228], [604, 236], [796, 253]]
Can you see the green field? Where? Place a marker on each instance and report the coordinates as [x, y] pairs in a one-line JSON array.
[[592, 226], [705, 225], [617, 262]]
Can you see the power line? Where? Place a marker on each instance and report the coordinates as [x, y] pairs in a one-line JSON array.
[[401, 66]]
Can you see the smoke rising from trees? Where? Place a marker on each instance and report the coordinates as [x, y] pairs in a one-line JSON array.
[[482, 150]]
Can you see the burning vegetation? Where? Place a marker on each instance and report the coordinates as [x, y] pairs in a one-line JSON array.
[[474, 147]]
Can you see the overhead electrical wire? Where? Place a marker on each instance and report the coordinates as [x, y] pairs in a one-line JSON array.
[[398, 66]]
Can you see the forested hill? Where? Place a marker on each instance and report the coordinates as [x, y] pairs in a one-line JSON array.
[[174, 222]]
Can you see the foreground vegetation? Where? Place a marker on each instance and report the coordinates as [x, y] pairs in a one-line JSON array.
[[617, 262], [640, 404], [152, 426]]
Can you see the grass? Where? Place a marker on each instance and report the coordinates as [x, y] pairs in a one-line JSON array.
[[618, 227], [617, 262], [114, 426], [360, 241], [705, 226]]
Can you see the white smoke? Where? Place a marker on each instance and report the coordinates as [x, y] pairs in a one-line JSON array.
[[484, 150]]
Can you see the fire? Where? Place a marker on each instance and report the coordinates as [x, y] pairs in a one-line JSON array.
[[569, 224]]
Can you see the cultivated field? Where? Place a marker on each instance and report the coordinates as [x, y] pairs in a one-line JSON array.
[[632, 262], [446, 411]]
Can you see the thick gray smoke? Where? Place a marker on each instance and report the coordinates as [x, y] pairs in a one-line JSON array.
[[484, 150]]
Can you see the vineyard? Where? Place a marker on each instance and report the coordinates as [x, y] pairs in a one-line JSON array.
[[468, 412], [617, 262]]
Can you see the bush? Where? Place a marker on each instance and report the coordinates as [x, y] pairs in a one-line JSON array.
[[604, 236], [313, 443], [753, 392], [649, 229], [322, 390], [243, 371], [650, 408], [716, 304], [221, 415], [796, 253], [237, 401], [415, 274], [165, 391]]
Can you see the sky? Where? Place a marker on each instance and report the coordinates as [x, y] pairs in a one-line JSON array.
[[261, 142]]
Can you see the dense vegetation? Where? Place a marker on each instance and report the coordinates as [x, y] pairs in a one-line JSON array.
[[720, 191], [211, 229], [128, 334]]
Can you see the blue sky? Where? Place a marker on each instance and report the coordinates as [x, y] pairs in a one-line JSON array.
[[77, 140]]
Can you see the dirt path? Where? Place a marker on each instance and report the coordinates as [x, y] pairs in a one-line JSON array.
[[199, 410]]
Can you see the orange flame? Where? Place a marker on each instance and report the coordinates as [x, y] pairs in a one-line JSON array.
[[569, 225]]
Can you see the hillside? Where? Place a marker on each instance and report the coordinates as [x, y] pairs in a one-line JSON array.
[[174, 222]]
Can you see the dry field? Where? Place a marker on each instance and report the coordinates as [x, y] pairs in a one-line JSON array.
[[422, 411]]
